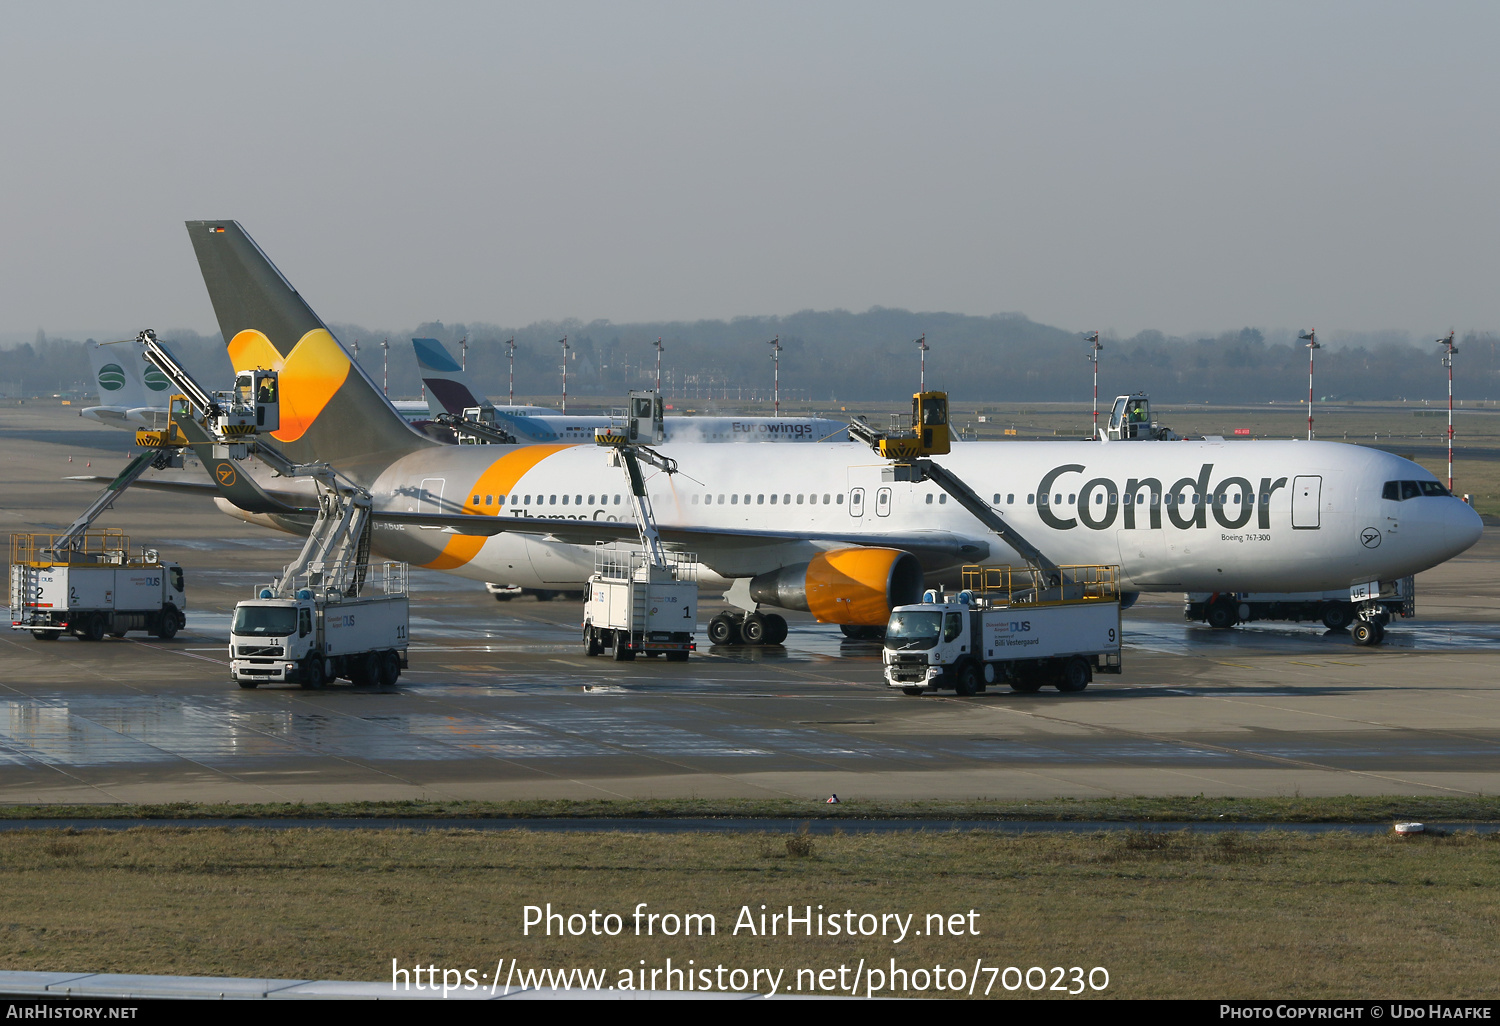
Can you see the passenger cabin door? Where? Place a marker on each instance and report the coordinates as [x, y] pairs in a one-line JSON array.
[[1307, 495], [431, 499]]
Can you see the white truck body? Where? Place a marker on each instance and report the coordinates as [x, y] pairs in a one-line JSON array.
[[1049, 632], [1336, 609], [318, 636], [967, 641], [97, 599], [633, 607]]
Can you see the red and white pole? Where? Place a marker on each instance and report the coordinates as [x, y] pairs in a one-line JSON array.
[[1094, 359], [1448, 350], [564, 342], [922, 346], [1311, 338], [658, 366], [510, 345], [776, 373]]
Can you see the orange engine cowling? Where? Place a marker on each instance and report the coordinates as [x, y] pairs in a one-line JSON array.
[[845, 586]]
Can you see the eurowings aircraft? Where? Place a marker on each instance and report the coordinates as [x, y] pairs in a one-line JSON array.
[[816, 527], [449, 391], [127, 389]]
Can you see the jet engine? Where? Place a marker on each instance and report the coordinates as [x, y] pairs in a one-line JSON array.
[[845, 586]]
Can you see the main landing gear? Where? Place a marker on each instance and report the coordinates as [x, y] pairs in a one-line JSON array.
[[731, 628]]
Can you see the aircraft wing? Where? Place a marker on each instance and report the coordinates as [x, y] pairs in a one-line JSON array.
[[932, 548], [158, 484]]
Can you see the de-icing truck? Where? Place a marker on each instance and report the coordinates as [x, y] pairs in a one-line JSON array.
[[318, 634], [1016, 626]]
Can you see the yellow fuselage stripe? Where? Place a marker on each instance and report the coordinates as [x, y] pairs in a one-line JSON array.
[[498, 479]]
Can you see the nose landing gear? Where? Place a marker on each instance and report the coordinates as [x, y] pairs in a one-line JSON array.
[[1369, 628]]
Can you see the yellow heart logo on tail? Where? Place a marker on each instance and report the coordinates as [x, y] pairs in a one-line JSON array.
[[309, 375]]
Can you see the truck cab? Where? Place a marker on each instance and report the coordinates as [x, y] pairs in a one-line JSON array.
[[482, 415], [273, 638], [1131, 420], [927, 640]]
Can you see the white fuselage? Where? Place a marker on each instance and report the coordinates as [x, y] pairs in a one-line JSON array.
[[678, 429], [1176, 516]]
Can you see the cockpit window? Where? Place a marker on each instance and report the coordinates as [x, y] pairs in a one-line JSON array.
[[1401, 490]]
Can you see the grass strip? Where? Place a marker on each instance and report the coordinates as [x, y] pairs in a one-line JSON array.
[[1200, 809], [1167, 913]]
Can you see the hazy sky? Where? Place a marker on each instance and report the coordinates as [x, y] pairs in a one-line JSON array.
[[1188, 167]]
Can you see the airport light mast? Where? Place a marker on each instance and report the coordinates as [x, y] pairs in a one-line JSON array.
[[510, 345], [658, 366], [1448, 350], [385, 367], [1311, 338], [775, 345], [1093, 358], [463, 345], [922, 347], [564, 343]]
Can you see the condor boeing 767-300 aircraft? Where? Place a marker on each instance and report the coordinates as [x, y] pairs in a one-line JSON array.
[[816, 527]]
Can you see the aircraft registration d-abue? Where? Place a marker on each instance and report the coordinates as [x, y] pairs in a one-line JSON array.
[[815, 527]]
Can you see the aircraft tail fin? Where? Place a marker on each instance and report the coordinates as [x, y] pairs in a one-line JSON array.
[[116, 374], [331, 410], [448, 386]]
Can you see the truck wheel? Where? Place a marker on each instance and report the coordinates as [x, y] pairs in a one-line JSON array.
[[1074, 676], [775, 628], [312, 672], [722, 630], [966, 679], [92, 629], [390, 669], [623, 652], [753, 630], [166, 628], [913, 691], [1220, 615], [1027, 682], [1337, 616], [45, 635], [247, 684], [364, 670], [591, 646]]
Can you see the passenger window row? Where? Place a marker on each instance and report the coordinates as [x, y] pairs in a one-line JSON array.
[[544, 500], [829, 499]]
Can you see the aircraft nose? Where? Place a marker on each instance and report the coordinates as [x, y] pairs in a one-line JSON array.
[[1463, 527]]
